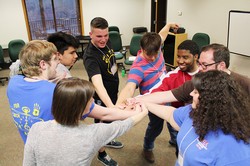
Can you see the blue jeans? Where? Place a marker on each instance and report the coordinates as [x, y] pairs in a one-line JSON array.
[[154, 129], [173, 133]]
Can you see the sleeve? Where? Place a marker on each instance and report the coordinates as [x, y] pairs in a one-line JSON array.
[[182, 93], [181, 113], [110, 131], [135, 75], [163, 87], [92, 66], [29, 152]]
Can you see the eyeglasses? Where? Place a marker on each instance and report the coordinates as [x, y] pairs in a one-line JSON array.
[[204, 66]]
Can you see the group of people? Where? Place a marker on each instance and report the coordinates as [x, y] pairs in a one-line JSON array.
[[48, 104]]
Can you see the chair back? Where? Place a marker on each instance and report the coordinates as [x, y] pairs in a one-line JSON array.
[[116, 41], [114, 28], [14, 47], [135, 44], [1, 55], [201, 39]]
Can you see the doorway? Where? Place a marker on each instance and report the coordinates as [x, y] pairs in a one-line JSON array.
[[158, 15]]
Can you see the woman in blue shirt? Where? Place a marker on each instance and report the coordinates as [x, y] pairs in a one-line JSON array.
[[215, 128]]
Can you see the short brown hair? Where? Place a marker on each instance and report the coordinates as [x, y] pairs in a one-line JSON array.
[[31, 55], [220, 53], [151, 43], [99, 23], [70, 99]]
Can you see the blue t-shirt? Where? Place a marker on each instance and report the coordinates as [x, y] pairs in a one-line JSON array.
[[30, 102], [216, 149]]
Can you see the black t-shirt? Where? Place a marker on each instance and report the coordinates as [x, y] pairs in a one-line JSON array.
[[100, 61]]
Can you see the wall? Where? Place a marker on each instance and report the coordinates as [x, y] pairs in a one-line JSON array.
[[125, 14], [211, 17], [12, 22]]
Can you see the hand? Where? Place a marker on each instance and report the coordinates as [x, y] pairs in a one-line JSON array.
[[140, 107], [174, 26], [130, 101], [144, 108]]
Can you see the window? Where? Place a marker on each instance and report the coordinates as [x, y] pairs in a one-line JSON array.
[[44, 17]]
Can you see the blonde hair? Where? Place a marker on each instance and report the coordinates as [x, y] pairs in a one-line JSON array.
[[31, 55]]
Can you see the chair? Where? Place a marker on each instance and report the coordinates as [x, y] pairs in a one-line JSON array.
[[3, 65], [140, 30], [201, 39], [116, 42], [133, 48], [114, 28], [14, 47]]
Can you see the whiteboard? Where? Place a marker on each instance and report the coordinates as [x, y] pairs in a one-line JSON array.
[[238, 38]]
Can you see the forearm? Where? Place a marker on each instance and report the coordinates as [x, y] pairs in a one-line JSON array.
[[138, 117], [110, 114], [103, 95], [125, 93], [101, 91], [163, 112], [158, 97], [164, 31]]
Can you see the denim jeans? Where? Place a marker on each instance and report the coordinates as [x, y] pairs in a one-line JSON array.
[[173, 133], [154, 129]]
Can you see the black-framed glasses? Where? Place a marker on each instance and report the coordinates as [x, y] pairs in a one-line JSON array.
[[204, 66]]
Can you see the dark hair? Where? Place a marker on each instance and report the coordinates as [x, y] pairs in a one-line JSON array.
[[191, 46], [220, 53], [70, 98], [151, 43], [99, 22], [63, 41], [223, 105]]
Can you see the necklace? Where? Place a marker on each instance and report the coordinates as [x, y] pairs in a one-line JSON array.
[[107, 57]]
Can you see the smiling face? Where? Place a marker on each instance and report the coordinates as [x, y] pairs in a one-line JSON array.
[[207, 58], [99, 37], [186, 61], [195, 95], [69, 56]]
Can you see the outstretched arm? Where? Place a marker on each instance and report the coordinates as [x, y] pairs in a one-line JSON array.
[[158, 97], [127, 92], [138, 117], [111, 114], [163, 112], [164, 31], [101, 91]]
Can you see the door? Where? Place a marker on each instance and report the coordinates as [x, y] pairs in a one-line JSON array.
[[158, 14]]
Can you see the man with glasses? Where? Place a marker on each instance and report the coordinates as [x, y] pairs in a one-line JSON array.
[[212, 57]]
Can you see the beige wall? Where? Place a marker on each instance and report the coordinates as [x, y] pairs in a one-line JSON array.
[[211, 17]]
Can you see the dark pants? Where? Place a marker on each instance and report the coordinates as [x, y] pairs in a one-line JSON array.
[[173, 134], [154, 129]]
